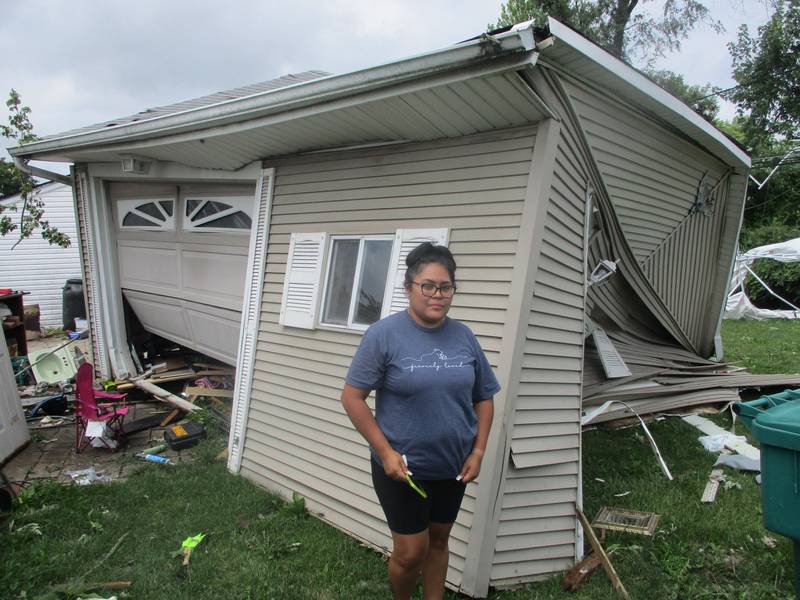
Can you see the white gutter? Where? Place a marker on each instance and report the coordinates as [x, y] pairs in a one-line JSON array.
[[642, 84], [23, 166], [317, 91]]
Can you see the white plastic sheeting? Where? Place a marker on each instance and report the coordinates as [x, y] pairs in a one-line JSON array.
[[738, 305]]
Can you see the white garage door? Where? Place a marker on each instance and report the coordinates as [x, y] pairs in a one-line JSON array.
[[182, 253]]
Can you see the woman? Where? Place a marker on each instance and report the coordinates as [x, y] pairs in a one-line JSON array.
[[434, 391]]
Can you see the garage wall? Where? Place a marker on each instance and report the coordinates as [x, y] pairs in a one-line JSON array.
[[536, 530], [652, 176], [298, 437]]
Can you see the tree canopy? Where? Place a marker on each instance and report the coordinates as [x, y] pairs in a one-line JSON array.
[[9, 182], [701, 98], [619, 26], [767, 69]]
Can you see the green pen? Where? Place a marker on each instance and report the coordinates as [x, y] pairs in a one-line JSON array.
[[410, 481]]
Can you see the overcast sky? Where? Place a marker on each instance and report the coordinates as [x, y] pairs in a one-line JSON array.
[[78, 62]]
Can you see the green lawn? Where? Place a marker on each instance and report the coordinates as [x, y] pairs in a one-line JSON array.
[[763, 346], [260, 547]]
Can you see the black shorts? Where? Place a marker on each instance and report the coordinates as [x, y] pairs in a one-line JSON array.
[[406, 511]]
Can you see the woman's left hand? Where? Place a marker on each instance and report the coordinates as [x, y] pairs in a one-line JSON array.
[[472, 467]]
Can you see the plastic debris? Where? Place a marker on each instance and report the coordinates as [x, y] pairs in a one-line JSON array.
[[736, 461], [717, 443], [86, 476], [188, 545]]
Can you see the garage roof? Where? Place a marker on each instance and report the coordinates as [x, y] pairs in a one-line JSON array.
[[462, 89]]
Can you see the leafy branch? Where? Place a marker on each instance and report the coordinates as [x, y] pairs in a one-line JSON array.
[[31, 215]]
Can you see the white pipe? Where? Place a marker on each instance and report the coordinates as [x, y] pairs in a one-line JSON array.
[[23, 166]]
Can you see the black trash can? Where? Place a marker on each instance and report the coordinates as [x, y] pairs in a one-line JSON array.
[[73, 304]]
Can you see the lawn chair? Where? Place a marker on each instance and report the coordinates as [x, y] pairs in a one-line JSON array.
[[88, 411]]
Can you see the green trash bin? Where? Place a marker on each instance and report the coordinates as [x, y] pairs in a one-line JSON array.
[[774, 421]]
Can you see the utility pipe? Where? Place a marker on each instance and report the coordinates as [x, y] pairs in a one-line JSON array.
[[23, 166]]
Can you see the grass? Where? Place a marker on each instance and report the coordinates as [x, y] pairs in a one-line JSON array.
[[261, 547], [763, 346]]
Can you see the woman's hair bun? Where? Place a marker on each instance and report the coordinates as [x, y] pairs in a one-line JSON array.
[[425, 249], [427, 253]]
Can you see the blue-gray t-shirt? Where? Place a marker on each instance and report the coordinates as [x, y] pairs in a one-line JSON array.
[[426, 382]]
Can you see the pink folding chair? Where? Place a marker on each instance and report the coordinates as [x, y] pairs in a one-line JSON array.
[[88, 410]]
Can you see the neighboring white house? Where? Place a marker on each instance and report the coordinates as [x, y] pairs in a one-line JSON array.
[[35, 265]]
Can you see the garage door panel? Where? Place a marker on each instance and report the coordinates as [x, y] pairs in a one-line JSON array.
[[215, 334], [185, 284], [161, 315], [143, 267], [214, 277]]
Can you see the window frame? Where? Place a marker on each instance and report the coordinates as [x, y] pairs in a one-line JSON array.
[[126, 206], [237, 203], [351, 326]]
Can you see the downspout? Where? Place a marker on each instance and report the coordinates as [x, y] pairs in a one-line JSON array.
[[43, 173]]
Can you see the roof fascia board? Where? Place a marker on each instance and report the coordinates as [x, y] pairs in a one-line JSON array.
[[161, 171], [313, 92], [633, 78], [510, 63]]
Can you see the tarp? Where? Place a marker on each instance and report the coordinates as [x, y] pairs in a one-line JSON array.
[[738, 305]]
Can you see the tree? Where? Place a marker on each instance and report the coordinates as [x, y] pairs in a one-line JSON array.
[[8, 179], [766, 69], [31, 214], [702, 98], [616, 25]]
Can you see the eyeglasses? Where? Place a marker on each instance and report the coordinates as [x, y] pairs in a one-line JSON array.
[[429, 289]]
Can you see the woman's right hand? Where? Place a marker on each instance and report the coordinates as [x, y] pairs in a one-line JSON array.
[[393, 465]]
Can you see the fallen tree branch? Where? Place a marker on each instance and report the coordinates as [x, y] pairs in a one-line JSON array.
[[106, 557]]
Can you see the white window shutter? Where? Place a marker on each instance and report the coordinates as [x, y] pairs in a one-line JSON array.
[[404, 242], [302, 283]]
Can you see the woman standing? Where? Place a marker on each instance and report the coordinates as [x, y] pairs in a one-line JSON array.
[[434, 391]]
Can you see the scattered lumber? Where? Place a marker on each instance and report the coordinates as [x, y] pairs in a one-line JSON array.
[[578, 574], [164, 395], [598, 549]]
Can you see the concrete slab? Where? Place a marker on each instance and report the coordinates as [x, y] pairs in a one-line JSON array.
[[52, 452]]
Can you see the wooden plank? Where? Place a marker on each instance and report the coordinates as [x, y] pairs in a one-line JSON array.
[[609, 568], [578, 574], [710, 493], [164, 395]]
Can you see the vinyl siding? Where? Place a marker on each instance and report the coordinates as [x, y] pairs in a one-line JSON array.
[[536, 532], [652, 178], [87, 260], [37, 267], [298, 437]]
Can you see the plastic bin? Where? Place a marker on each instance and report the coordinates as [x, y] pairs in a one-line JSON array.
[[774, 421]]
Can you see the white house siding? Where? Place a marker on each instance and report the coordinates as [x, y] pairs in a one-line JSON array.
[[652, 177], [536, 532], [37, 267], [298, 438]]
